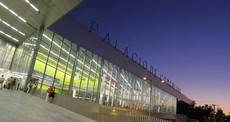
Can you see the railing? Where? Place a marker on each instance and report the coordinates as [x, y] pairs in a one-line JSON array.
[[147, 119]]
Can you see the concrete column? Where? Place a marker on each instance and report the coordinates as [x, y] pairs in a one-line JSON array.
[[35, 53]]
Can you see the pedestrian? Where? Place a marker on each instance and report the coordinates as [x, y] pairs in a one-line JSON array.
[[10, 83], [29, 87], [2, 79], [50, 94]]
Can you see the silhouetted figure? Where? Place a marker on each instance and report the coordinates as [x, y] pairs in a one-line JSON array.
[[2, 79]]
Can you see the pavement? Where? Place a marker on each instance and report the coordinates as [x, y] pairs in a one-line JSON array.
[[16, 106]]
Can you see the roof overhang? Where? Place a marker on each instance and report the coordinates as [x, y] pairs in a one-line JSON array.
[[27, 16]]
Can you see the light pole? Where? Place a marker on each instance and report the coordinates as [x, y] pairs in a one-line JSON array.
[[214, 107]]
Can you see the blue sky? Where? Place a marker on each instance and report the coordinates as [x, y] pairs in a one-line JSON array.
[[186, 40]]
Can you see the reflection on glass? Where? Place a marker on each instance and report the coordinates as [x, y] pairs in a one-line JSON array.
[[80, 73]]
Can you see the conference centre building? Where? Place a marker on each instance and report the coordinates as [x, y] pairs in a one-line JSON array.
[[42, 42]]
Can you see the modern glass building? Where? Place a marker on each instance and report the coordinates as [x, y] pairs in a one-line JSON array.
[[81, 74], [30, 50]]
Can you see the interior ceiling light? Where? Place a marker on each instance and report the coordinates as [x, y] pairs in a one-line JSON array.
[[7, 24], [57, 45], [33, 6], [12, 12], [9, 36]]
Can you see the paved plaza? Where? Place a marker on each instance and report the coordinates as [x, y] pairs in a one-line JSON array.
[[16, 106]]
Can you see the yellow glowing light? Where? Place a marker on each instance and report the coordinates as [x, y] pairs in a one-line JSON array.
[[144, 78]]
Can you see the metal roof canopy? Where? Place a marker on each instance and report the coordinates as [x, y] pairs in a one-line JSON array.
[[49, 12]]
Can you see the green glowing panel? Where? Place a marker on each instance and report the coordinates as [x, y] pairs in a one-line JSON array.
[[60, 75]]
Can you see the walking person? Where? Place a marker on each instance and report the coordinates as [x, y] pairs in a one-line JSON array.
[[2, 79]]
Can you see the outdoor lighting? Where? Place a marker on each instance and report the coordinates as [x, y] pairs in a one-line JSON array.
[[12, 27], [114, 110], [12, 12], [162, 81], [33, 6], [9, 36], [144, 78]]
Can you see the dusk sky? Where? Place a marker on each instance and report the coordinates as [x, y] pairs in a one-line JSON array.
[[186, 40]]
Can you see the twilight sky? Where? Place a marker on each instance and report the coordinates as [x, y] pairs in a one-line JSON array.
[[187, 40]]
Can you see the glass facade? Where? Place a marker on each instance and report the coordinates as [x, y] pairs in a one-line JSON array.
[[82, 74], [23, 55]]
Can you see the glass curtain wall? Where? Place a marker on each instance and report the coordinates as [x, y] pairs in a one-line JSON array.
[[76, 71], [22, 59], [58, 60], [122, 89], [23, 55], [86, 76], [163, 102], [53, 64]]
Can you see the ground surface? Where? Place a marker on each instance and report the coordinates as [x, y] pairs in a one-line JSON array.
[[17, 106]]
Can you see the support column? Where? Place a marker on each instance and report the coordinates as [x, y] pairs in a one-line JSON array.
[[37, 45]]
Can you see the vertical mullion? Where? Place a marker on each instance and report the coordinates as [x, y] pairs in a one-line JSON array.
[[142, 92], [88, 76], [116, 92], [99, 81], [150, 95], [123, 90], [110, 84], [135, 91], [95, 76], [104, 90], [57, 65], [83, 68], [47, 59], [73, 70], [66, 67], [130, 89]]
